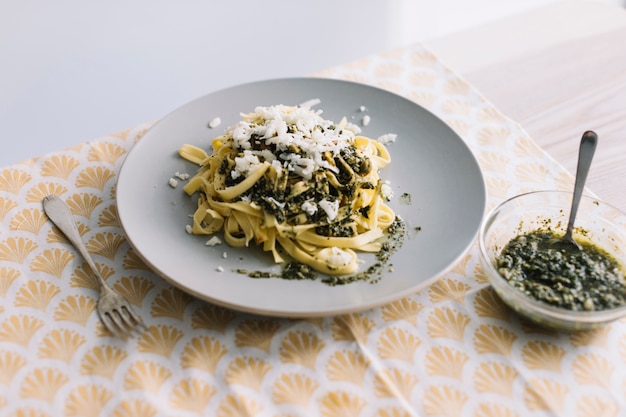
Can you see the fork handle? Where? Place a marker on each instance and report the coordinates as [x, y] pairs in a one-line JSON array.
[[60, 214]]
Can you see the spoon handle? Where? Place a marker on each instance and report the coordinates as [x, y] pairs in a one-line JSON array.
[[585, 155]]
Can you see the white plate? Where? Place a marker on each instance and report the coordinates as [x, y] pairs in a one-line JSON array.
[[430, 162]]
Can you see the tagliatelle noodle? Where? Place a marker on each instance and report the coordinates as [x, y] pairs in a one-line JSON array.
[[284, 177]]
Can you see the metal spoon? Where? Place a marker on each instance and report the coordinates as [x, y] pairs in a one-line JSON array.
[[585, 155]]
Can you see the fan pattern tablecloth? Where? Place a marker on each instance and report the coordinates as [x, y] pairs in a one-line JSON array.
[[452, 349]]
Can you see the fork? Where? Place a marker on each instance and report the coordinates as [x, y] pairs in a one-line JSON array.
[[115, 312]]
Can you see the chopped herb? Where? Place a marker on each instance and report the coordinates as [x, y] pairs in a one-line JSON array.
[[406, 198], [295, 270], [260, 274]]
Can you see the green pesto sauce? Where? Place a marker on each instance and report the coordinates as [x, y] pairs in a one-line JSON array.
[[395, 237], [291, 271], [586, 280]]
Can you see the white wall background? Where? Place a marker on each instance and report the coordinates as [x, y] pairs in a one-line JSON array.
[[73, 70]]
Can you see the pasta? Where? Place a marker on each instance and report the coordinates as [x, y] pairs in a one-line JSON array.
[[285, 178]]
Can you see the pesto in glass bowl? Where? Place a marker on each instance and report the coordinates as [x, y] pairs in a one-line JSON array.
[[554, 288]]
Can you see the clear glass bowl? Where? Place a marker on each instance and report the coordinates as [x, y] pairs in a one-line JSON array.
[[602, 224]]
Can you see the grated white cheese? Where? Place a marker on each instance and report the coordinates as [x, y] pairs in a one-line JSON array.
[[246, 164], [309, 207], [331, 208], [188, 228], [220, 269], [387, 138], [366, 120], [213, 241], [278, 167], [310, 103], [278, 203], [352, 127], [386, 191], [338, 257], [286, 127], [183, 176], [173, 183], [215, 122]]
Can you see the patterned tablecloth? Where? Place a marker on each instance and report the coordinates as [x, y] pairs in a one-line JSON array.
[[452, 349]]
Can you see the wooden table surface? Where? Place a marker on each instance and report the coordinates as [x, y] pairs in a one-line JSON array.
[[557, 71]]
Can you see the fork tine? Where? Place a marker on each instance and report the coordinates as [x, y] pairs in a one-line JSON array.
[[123, 330], [131, 312], [130, 318], [108, 323]]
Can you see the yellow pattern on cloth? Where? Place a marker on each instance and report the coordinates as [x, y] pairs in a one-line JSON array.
[[452, 349]]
